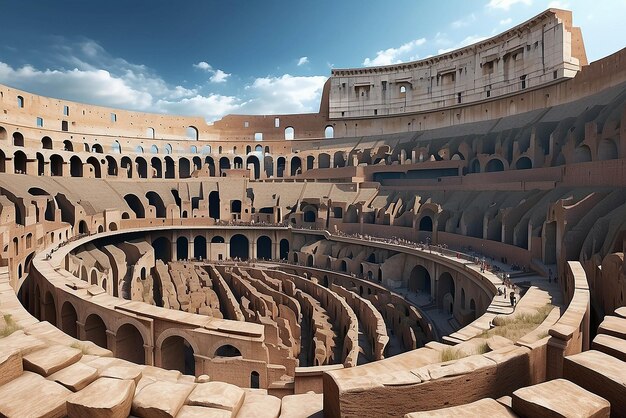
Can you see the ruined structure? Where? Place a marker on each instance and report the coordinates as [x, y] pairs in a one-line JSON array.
[[349, 262]]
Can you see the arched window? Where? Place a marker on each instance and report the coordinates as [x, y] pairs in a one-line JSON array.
[[20, 101], [290, 133], [329, 132], [192, 132]]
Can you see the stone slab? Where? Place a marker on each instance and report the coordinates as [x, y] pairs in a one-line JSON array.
[[75, 377], [30, 395], [104, 398], [188, 411], [10, 365], [129, 372], [483, 408], [558, 398], [218, 395], [260, 406], [51, 359], [161, 399], [613, 325], [309, 405], [615, 347]]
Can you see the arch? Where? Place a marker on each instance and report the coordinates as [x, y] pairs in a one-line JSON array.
[[339, 159], [129, 344], [290, 133], [82, 227], [49, 309], [310, 162], [95, 330], [97, 168], [162, 249], [206, 149], [281, 162], [248, 149], [139, 149], [192, 132], [523, 163], [227, 350], [329, 132], [323, 160], [209, 162], [157, 167], [199, 247], [127, 164], [142, 167], [284, 249], [3, 134], [608, 150], [182, 248], [475, 166], [264, 248], [154, 149], [214, 204], [168, 149], [76, 167], [150, 133], [217, 240], [184, 168], [97, 148], [40, 164], [256, 166], [19, 162], [426, 223], [445, 287], [18, 139], [254, 380], [136, 205], [46, 142], [224, 164], [343, 266], [155, 200], [494, 165], [3, 162], [111, 166], [239, 247], [196, 163], [116, 148], [238, 162], [582, 154], [178, 354], [258, 148], [310, 214], [169, 168], [268, 166], [112, 226], [68, 146], [296, 166]]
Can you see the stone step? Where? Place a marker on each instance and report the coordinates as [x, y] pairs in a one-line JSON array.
[[613, 325], [30, 395], [482, 408], [309, 405], [260, 406], [558, 398], [610, 345], [104, 398], [189, 411], [75, 377], [601, 374], [10, 365], [217, 395], [51, 359]]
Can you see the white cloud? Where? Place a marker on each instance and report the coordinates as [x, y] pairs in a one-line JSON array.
[[505, 22], [219, 77], [463, 22], [506, 4], [211, 107], [559, 5], [203, 65], [395, 55], [284, 94], [303, 60]]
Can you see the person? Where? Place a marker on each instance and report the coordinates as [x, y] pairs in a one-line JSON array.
[[549, 275], [512, 297]]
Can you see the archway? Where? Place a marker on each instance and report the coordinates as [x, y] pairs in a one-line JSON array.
[[199, 247], [155, 200], [523, 163], [49, 309], [135, 204], [129, 344], [256, 166], [420, 280], [95, 331], [227, 350], [264, 248], [284, 249], [445, 291], [296, 166], [19, 162], [254, 380], [177, 354], [214, 204], [494, 165], [76, 167], [142, 167], [182, 248], [162, 249], [68, 320], [239, 247], [426, 224]]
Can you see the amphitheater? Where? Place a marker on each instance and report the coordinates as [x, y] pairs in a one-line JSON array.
[[444, 237]]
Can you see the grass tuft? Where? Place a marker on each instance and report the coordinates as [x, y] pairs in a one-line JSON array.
[[515, 327], [81, 347], [453, 353], [10, 326]]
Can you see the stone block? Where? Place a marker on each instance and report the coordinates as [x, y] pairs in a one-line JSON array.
[[75, 377], [615, 347], [104, 398], [161, 399], [260, 406], [482, 408], [218, 395], [10, 365], [51, 359], [30, 395]]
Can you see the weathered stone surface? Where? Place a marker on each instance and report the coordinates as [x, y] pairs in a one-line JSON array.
[[30, 395], [306, 405], [203, 378], [558, 398], [20, 341], [129, 372], [188, 411], [51, 359], [217, 395], [75, 377], [161, 399], [260, 406], [613, 346], [10, 365], [483, 408], [613, 325], [601, 374], [104, 398]]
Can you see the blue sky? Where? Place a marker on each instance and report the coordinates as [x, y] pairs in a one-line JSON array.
[[211, 58]]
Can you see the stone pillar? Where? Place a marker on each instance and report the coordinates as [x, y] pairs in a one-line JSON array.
[[148, 354]]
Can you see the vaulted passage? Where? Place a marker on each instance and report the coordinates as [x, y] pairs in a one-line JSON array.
[[239, 247], [264, 248], [129, 344], [177, 354]]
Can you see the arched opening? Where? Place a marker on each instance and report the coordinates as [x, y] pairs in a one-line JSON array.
[[150, 133], [19, 162], [227, 351], [310, 162], [155, 200], [169, 168], [142, 167], [82, 227], [127, 166], [607, 150], [324, 160], [135, 204], [154, 149], [264, 248], [582, 154], [76, 167], [68, 146], [214, 204], [97, 148], [235, 206], [268, 166], [157, 167], [139, 149], [56, 165], [184, 170], [162, 249], [182, 248], [339, 159], [177, 354], [3, 162], [296, 166], [196, 164], [289, 133], [309, 215], [46, 142], [280, 166], [343, 266], [426, 224], [284, 249], [111, 166], [258, 148], [523, 163], [192, 132], [475, 166], [40, 164], [129, 344], [224, 164], [494, 165], [199, 247], [256, 172], [68, 320], [254, 380], [239, 247], [329, 132], [168, 149], [209, 162], [95, 330], [93, 161], [445, 292], [116, 148], [18, 139]]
